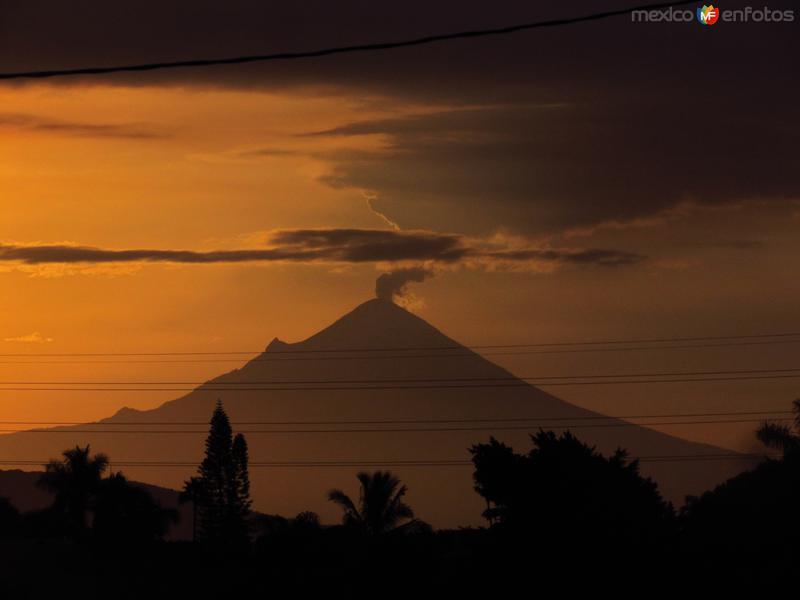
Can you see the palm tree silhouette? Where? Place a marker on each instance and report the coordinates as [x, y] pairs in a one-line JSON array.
[[74, 480], [782, 437], [380, 506]]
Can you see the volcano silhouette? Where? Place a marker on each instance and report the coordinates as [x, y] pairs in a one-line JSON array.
[[415, 373]]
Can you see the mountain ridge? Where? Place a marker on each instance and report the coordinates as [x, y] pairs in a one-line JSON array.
[[355, 348]]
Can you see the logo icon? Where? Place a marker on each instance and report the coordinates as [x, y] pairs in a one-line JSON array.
[[708, 15]]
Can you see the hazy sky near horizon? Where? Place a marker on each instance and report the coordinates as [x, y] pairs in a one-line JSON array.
[[608, 180]]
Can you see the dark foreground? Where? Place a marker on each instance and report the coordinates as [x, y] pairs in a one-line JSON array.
[[561, 516], [329, 563]]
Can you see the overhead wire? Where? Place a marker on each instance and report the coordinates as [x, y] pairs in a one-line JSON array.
[[320, 52]]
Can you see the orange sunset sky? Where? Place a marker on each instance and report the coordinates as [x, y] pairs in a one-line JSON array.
[[700, 223]]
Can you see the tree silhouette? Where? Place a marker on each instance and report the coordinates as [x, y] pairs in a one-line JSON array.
[[74, 480], [307, 519], [239, 489], [566, 489], [380, 507], [192, 492], [222, 488], [782, 437], [127, 513], [755, 510], [110, 508]]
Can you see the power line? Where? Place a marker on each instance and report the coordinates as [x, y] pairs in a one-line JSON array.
[[282, 56], [465, 354], [400, 463], [418, 421], [521, 384], [411, 380], [389, 430], [706, 338]]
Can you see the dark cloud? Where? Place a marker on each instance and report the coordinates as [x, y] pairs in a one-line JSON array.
[[610, 120], [389, 286], [100, 130], [301, 245], [49, 34], [46, 34], [545, 168], [599, 257], [744, 245], [370, 245], [329, 246], [47, 254]]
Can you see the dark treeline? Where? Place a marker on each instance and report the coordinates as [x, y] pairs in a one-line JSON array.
[[88, 507], [558, 513]]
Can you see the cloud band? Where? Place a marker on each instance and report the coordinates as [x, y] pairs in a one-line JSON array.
[[330, 245]]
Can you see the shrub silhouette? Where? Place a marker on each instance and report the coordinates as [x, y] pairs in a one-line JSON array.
[[127, 513], [566, 489], [306, 520], [755, 510]]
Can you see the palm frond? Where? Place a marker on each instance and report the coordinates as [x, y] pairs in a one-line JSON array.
[[778, 436], [343, 500]]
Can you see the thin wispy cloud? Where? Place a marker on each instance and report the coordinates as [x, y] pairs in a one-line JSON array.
[[335, 246], [36, 123], [30, 338]]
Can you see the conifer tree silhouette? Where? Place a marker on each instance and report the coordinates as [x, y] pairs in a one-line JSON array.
[[192, 492], [240, 489], [221, 491]]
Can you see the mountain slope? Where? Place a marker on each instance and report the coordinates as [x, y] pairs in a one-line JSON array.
[[440, 495]]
